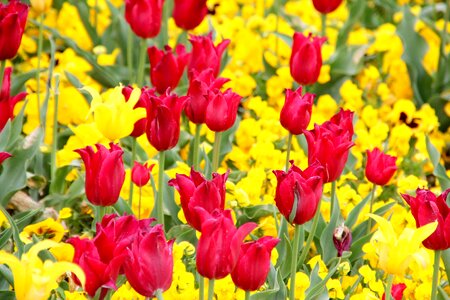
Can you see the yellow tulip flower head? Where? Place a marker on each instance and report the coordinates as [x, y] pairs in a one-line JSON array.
[[41, 6], [34, 278], [394, 252], [113, 115]]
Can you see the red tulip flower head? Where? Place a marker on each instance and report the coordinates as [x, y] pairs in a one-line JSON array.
[[342, 239], [4, 156], [330, 143], [166, 69], [163, 120], [149, 266], [202, 88], [205, 55], [139, 126], [306, 58], [380, 167], [188, 14], [296, 112], [13, 18], [298, 192], [326, 6], [396, 291], [427, 208], [220, 244], [196, 191], [7, 103], [253, 264], [222, 110], [105, 173], [140, 174], [144, 16]]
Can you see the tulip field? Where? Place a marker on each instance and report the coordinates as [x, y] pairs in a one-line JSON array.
[[224, 149]]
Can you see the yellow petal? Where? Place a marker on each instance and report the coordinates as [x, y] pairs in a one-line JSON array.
[[22, 276], [134, 97], [386, 228]]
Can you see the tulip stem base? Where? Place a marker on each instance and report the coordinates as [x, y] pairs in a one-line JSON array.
[[294, 261], [201, 287], [390, 280], [435, 283], [288, 151], [311, 235], [324, 24], [100, 213], [247, 295], [159, 294], [216, 151], [211, 289], [372, 199], [196, 145], [159, 203], [133, 158], [2, 71], [141, 67]]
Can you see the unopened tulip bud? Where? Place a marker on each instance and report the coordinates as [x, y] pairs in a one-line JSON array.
[[41, 6], [342, 239]]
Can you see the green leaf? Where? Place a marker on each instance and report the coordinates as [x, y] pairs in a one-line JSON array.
[[122, 207], [253, 213], [326, 236], [15, 231], [445, 255], [276, 289], [347, 60], [439, 170], [356, 11], [354, 214], [7, 295], [316, 289], [182, 233], [84, 13]]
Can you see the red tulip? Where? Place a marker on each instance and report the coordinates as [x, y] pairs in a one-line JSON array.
[[396, 291], [196, 191], [205, 55], [253, 263], [299, 190], [296, 112], [342, 239], [139, 126], [202, 89], [3, 156], [13, 18], [306, 58], [330, 143], [221, 112], [163, 120], [105, 173], [326, 6], [140, 174], [427, 208], [188, 14], [166, 69], [144, 16], [149, 266], [380, 167], [220, 243], [7, 103]]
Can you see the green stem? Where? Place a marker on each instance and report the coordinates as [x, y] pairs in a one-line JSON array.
[[216, 151], [435, 283], [372, 199], [130, 56], [196, 145], [159, 203], [159, 294], [38, 73], [333, 197], [2, 71], [133, 158], [201, 287], [164, 33], [311, 235], [288, 151], [294, 261], [141, 66], [390, 280], [442, 55], [55, 129], [139, 203], [211, 289], [247, 295], [324, 25]]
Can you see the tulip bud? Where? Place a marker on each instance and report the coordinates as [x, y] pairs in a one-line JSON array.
[[306, 58], [7, 103], [396, 291], [380, 167], [41, 6], [221, 112], [140, 174], [326, 6], [342, 239], [188, 14], [13, 18], [144, 16], [296, 112]]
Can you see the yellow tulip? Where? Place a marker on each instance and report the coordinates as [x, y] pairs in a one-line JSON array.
[[41, 6], [395, 253], [34, 279], [113, 115]]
